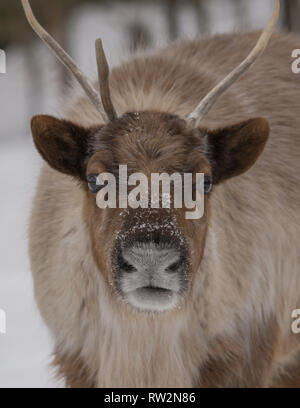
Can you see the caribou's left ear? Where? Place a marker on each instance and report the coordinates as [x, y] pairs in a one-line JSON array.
[[62, 144], [234, 149]]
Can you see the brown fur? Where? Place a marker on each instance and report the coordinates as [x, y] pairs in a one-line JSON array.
[[74, 371], [232, 327]]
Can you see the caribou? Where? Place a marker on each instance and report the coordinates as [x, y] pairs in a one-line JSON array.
[[143, 297]]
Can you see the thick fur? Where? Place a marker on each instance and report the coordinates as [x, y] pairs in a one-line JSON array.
[[235, 327]]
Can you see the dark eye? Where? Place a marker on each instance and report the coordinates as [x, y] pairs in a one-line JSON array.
[[92, 183], [207, 184]]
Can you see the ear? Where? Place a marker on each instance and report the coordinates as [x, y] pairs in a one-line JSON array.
[[62, 144], [234, 149]]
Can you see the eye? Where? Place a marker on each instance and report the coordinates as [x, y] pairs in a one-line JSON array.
[[92, 183], [207, 184]]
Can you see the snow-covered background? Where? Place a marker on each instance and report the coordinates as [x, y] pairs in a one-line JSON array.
[[25, 349]]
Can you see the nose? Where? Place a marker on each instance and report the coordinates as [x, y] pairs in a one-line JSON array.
[[151, 260], [151, 275]]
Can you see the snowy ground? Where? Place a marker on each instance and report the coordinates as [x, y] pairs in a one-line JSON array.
[[26, 346], [25, 349]]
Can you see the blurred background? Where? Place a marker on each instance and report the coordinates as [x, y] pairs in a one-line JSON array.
[[35, 82]]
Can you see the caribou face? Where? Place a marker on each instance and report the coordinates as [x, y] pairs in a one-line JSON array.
[[148, 256], [146, 253]]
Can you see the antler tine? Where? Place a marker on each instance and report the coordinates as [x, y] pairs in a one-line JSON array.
[[103, 75], [65, 59], [206, 104]]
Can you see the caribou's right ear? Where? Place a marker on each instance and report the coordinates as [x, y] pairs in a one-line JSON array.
[[62, 144]]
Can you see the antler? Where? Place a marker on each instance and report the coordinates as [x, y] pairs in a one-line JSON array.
[[104, 107], [103, 75], [206, 104]]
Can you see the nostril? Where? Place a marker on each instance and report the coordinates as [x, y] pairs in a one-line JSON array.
[[125, 265], [175, 265]]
